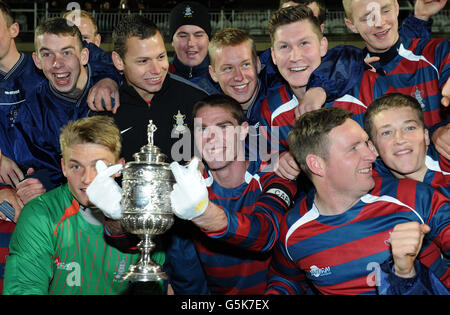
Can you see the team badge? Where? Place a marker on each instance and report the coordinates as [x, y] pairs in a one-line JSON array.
[[180, 127], [418, 95], [188, 12]]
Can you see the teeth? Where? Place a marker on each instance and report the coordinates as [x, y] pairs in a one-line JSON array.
[[364, 171], [402, 152], [214, 151], [240, 87], [298, 69], [381, 33], [61, 76]]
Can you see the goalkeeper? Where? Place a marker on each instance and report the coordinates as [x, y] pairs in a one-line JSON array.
[[58, 245]]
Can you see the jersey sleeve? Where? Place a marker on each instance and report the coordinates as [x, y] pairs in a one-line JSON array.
[[101, 64], [423, 283], [29, 264], [340, 70], [259, 229], [413, 27]]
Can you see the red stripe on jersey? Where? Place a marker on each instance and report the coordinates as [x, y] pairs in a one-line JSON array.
[[348, 252], [406, 192], [244, 269]]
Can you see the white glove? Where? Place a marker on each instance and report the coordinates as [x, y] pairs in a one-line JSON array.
[[104, 192], [189, 197]]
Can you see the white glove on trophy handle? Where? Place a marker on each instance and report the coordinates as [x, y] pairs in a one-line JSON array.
[[189, 197], [104, 192]]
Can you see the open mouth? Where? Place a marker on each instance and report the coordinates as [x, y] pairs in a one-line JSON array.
[[153, 80], [298, 69], [382, 34], [191, 53], [240, 88], [214, 151], [62, 78], [403, 152], [365, 171]]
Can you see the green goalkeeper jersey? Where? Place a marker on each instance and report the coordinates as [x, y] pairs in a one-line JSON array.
[[55, 250]]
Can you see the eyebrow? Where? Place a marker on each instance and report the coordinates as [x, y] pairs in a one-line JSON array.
[[220, 123], [309, 36], [196, 32], [404, 122], [62, 49]]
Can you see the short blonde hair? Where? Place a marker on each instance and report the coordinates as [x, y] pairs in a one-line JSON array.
[[83, 14], [96, 129], [230, 37], [347, 4]]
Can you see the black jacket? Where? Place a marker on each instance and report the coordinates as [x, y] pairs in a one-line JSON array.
[[176, 98]]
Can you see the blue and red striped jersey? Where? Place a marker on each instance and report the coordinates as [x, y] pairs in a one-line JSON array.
[[437, 175], [236, 259], [341, 254], [277, 118], [6, 230], [419, 68]]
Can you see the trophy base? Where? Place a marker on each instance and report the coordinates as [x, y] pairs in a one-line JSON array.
[[145, 273]]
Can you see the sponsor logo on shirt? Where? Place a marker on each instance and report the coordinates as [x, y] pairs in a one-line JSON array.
[[319, 272], [120, 270], [74, 271]]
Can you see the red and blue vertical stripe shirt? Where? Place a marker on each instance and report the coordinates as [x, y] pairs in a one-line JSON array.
[[340, 254]]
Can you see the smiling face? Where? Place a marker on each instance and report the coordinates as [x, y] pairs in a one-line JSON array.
[[78, 166], [219, 137], [348, 167], [62, 61], [145, 64], [190, 43], [237, 73], [401, 141], [376, 21], [297, 52]]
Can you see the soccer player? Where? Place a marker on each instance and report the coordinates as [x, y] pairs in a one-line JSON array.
[[58, 245], [396, 127], [32, 139], [151, 92], [353, 226], [413, 66], [20, 80], [236, 204], [297, 48]]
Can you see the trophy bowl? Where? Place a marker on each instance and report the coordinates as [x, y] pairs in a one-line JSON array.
[[146, 208]]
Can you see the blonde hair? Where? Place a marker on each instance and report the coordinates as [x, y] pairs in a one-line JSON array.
[[97, 129], [230, 37], [347, 4], [83, 14]]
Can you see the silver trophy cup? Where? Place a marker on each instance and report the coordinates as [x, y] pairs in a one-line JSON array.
[[146, 209]]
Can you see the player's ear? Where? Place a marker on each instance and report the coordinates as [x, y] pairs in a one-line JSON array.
[[117, 60], [37, 61], [315, 164]]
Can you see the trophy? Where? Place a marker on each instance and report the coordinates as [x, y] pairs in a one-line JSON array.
[[146, 209]]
